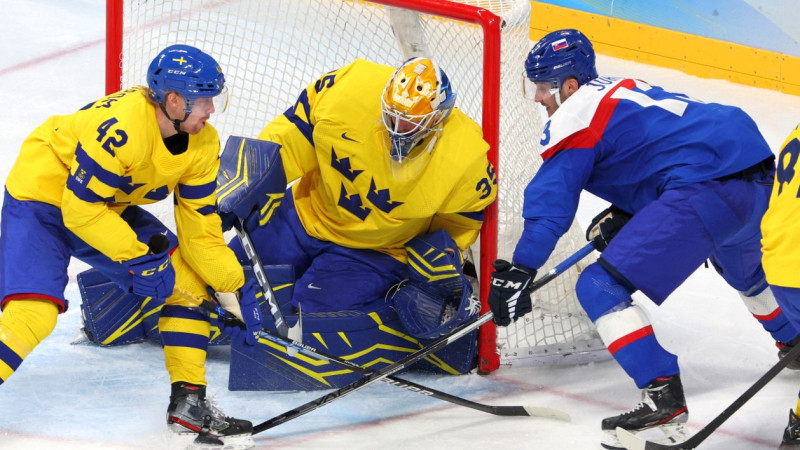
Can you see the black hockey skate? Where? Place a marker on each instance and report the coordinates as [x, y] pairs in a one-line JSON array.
[[791, 435], [783, 349], [189, 412], [663, 407]]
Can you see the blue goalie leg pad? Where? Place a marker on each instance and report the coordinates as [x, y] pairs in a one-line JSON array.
[[111, 316], [370, 339]]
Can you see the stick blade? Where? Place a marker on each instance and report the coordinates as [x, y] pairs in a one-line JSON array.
[[633, 442], [630, 440], [548, 413], [295, 333]]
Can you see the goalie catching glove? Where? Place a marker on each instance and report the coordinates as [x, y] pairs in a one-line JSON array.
[[510, 294], [437, 296], [605, 226], [244, 306]]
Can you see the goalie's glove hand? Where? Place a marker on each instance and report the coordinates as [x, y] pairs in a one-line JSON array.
[[244, 306], [153, 274], [605, 226], [510, 294]]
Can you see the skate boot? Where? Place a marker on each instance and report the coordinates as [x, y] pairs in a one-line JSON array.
[[189, 412], [663, 407], [783, 349], [791, 435]]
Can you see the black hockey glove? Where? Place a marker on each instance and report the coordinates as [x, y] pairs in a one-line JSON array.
[[605, 226], [510, 294]]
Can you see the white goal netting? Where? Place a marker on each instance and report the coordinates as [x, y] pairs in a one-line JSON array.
[[271, 49]]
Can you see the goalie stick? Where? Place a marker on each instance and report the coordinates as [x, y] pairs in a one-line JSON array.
[[436, 345], [532, 411], [294, 333], [633, 442]]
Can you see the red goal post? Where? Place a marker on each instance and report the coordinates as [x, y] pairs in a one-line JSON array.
[[469, 38]]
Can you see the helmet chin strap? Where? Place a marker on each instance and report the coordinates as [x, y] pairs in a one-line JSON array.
[[175, 122]]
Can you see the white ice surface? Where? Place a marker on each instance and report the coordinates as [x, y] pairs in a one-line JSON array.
[[66, 396]]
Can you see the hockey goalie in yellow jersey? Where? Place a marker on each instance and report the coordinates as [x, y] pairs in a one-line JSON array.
[[389, 178], [74, 191], [379, 159]]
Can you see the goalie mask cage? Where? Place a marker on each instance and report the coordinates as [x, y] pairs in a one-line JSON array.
[[270, 50]]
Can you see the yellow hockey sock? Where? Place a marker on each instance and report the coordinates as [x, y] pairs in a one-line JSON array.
[[24, 323]]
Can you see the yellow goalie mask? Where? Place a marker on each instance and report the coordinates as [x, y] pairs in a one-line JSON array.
[[415, 102]]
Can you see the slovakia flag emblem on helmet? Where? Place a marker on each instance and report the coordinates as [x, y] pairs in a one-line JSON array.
[[559, 44]]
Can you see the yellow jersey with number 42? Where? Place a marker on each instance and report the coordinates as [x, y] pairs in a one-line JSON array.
[[110, 154]]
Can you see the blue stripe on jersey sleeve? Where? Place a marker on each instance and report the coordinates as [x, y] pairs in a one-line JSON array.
[[84, 193], [473, 215], [94, 169], [206, 210], [196, 192], [306, 128]]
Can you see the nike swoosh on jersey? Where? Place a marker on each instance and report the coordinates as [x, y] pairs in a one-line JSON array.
[[348, 138], [311, 286]]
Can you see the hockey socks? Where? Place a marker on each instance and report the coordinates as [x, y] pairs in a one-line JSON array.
[[184, 335], [24, 323]]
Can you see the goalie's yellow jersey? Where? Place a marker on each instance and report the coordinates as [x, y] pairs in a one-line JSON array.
[[110, 154], [351, 193], [781, 223]]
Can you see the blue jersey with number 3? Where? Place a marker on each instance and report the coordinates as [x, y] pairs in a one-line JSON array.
[[627, 142]]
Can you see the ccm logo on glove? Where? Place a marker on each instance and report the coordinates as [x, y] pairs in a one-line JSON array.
[[164, 266], [507, 284]]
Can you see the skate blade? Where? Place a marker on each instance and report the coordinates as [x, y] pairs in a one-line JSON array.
[[669, 434], [205, 442], [193, 441]]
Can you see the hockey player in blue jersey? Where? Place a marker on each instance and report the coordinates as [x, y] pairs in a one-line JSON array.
[[688, 181]]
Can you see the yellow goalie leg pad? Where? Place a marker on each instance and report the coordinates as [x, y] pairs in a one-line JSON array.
[[24, 323]]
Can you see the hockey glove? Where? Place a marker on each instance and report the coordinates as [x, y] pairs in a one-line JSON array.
[[510, 294], [605, 226], [243, 305], [153, 274]]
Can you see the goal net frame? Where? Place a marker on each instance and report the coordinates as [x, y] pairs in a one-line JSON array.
[[491, 352]]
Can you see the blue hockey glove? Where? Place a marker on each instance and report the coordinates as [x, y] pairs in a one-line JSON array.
[[605, 226], [510, 294], [153, 274], [246, 329]]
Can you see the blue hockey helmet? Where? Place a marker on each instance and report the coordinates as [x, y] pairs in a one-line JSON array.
[[560, 55], [415, 101], [189, 72]]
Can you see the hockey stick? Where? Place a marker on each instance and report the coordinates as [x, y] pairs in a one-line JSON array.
[[436, 345], [633, 442], [294, 333], [533, 411]]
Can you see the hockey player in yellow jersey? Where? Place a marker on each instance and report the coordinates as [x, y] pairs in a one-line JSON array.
[[780, 228], [381, 156], [74, 191]]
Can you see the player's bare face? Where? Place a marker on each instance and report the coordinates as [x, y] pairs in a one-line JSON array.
[[545, 95], [201, 112]]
